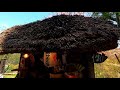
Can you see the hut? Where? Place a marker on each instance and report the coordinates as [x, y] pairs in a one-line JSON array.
[[69, 39]]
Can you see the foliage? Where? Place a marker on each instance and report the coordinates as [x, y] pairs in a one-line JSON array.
[[114, 16], [12, 61]]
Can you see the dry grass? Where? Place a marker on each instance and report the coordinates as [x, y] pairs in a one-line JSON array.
[[108, 69]]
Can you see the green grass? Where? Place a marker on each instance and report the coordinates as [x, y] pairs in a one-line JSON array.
[[9, 76]]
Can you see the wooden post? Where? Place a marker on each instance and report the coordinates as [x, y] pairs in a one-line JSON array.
[[91, 72], [2, 66], [64, 56], [89, 66], [117, 58]]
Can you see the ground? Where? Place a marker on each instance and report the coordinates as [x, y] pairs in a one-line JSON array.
[[109, 68]]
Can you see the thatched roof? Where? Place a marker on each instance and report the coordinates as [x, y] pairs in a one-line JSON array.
[[59, 33]]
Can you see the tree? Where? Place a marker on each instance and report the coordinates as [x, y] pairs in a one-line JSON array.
[[113, 16]]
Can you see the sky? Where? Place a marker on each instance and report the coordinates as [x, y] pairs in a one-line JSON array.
[[9, 19]]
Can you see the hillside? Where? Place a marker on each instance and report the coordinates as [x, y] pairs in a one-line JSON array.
[[111, 67]]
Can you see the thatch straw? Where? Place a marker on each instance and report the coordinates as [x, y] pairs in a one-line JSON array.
[[60, 33]]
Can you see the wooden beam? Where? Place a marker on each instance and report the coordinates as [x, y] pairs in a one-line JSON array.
[[64, 57]]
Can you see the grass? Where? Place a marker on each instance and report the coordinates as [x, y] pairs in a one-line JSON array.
[[9, 75], [107, 69]]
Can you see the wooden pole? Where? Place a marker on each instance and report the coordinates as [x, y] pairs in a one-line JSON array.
[[117, 58], [91, 72], [64, 55], [2, 66], [89, 66]]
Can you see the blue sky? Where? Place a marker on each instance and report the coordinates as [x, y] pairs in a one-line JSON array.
[[9, 19]]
